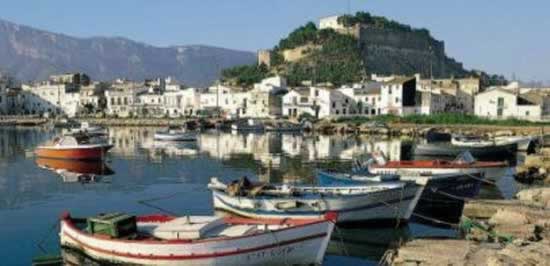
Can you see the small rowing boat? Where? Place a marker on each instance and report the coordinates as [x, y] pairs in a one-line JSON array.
[[248, 125], [197, 240], [74, 147], [388, 202]]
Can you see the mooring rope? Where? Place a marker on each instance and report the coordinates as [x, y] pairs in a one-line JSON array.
[[46, 237], [147, 203]]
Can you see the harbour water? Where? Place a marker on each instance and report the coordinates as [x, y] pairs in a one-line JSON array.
[[142, 176]]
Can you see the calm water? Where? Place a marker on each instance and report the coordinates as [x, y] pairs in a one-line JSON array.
[[140, 169]]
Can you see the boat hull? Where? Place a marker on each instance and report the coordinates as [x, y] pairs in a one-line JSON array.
[[395, 204], [74, 153], [489, 172], [174, 137], [448, 150], [302, 244], [438, 188], [81, 167]]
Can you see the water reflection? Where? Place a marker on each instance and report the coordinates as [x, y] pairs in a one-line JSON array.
[[140, 168]]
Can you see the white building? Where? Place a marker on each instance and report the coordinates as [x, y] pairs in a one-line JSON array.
[[229, 101], [398, 96], [123, 102], [501, 103], [51, 98], [184, 102], [330, 22]]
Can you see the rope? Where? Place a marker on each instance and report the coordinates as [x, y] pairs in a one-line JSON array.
[[146, 203], [483, 180], [342, 243], [46, 237]]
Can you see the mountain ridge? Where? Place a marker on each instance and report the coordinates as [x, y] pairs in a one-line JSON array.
[[33, 54]]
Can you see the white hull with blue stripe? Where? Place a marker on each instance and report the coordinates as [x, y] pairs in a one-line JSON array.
[[366, 203]]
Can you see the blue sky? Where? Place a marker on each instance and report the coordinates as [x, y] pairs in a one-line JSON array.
[[499, 36]]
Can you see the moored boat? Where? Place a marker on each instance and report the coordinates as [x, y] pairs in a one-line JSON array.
[[284, 127], [86, 128], [248, 125], [74, 147], [523, 142], [174, 134], [447, 150], [81, 167], [464, 163], [440, 186], [389, 202], [198, 240]]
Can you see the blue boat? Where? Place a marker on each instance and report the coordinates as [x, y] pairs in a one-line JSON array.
[[439, 188]]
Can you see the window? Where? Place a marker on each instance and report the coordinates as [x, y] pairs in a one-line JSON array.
[[389, 92], [527, 113], [333, 104], [396, 99], [316, 92], [344, 111]]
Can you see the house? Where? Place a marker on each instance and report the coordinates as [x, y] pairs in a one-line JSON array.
[[122, 99], [55, 96], [464, 91], [183, 102], [316, 102], [502, 103], [228, 101], [266, 98], [398, 96], [366, 98]]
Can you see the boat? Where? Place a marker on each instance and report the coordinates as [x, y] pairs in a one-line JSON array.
[[438, 187], [81, 167], [523, 142], [248, 125], [448, 150], [74, 147], [284, 127], [197, 240], [174, 134], [471, 141], [464, 163], [86, 128], [378, 202]]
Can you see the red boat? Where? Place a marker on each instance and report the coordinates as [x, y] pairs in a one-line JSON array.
[[81, 167], [74, 147]]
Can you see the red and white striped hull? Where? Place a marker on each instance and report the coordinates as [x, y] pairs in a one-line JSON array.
[[300, 244]]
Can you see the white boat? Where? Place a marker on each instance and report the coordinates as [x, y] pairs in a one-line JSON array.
[[248, 125], [523, 142], [392, 201], [197, 240], [174, 135], [474, 142], [86, 128]]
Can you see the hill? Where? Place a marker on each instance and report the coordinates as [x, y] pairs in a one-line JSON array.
[[357, 46], [32, 54]]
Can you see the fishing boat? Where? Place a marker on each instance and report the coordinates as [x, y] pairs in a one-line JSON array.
[[438, 186], [86, 128], [248, 125], [388, 202], [464, 163], [174, 134], [74, 147], [197, 240], [523, 142], [284, 127], [81, 167], [448, 150]]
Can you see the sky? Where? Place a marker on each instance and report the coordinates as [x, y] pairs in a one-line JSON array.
[[507, 37]]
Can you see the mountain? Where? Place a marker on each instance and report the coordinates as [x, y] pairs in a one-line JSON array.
[[32, 54]]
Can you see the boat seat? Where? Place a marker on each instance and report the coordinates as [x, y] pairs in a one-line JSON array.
[[238, 230], [192, 227]]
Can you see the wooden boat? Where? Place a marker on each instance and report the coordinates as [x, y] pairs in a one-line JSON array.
[[523, 142], [74, 147], [464, 163], [440, 186], [197, 240], [448, 150], [388, 202], [81, 167], [173, 134], [248, 125]]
